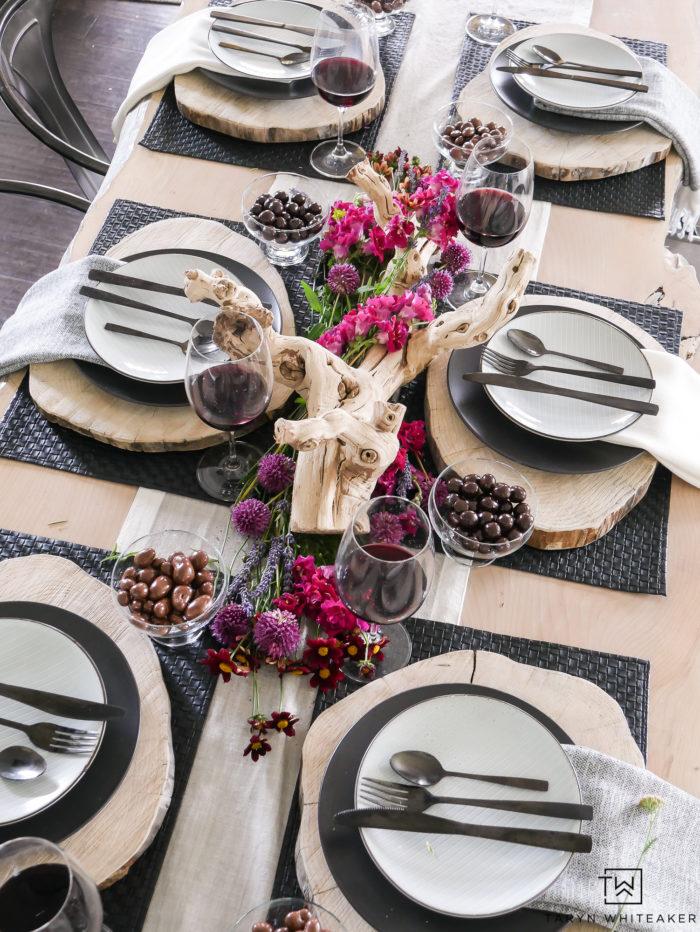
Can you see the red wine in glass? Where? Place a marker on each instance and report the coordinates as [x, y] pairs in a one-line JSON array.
[[33, 896], [343, 82], [227, 396], [382, 583], [490, 217]]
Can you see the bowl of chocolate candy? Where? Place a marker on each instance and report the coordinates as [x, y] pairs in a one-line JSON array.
[[288, 914], [286, 213], [458, 126], [382, 10], [481, 510], [170, 584]]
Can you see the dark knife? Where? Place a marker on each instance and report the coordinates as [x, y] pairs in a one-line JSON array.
[[542, 73], [250, 20], [112, 298], [128, 281], [67, 706], [400, 821], [531, 385]]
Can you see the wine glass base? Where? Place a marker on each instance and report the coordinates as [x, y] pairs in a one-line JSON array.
[[489, 29], [221, 481], [329, 165], [397, 653], [286, 255], [385, 24], [466, 287]]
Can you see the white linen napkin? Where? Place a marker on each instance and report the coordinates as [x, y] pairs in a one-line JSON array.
[[180, 47], [669, 885], [673, 435], [48, 324]]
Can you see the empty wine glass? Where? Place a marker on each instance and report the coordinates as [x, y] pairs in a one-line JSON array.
[[489, 28], [383, 570], [43, 888], [492, 204], [344, 65], [226, 393]]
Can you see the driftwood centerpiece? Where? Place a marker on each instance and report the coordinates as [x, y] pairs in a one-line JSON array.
[[349, 436]]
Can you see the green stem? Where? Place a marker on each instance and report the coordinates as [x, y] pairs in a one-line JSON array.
[[647, 844]]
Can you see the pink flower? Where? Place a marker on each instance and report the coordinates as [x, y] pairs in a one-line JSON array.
[[392, 333], [412, 435], [334, 617]]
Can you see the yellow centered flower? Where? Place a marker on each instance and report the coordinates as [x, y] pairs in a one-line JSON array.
[[282, 724], [322, 651], [352, 650], [226, 668], [324, 673]]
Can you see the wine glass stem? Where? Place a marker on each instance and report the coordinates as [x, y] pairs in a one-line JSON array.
[[231, 462], [340, 149], [479, 283]]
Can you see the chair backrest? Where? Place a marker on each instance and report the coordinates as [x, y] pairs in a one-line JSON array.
[[32, 88], [30, 189]]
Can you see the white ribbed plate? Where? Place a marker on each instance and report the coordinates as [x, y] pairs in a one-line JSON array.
[[41, 657], [580, 334], [472, 877]]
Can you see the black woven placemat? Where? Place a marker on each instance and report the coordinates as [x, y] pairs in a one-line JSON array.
[[190, 688], [626, 679], [638, 194], [171, 132]]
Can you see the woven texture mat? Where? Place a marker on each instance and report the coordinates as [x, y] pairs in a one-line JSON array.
[[639, 193], [631, 558], [171, 132], [190, 688], [626, 679]]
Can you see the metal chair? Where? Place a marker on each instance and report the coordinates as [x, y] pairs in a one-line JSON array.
[[32, 88], [28, 188]]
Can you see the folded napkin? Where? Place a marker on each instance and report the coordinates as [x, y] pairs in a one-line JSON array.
[[673, 435], [669, 106], [48, 324], [669, 887], [180, 47]]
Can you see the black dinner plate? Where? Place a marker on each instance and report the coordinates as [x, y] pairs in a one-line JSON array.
[[523, 104], [267, 90], [504, 436], [173, 394], [367, 890], [106, 771]]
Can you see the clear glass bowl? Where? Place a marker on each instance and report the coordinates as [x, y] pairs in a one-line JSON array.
[[170, 632], [461, 544], [274, 912], [284, 246], [463, 110]]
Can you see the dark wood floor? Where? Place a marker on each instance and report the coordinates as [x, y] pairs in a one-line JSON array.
[[98, 45]]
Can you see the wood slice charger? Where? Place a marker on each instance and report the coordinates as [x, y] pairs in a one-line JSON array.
[[67, 397], [565, 156], [573, 510]]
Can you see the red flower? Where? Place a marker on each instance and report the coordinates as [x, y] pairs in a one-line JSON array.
[[292, 667], [284, 722], [290, 602], [412, 435], [257, 747], [322, 652], [258, 724], [221, 663], [334, 617], [327, 678]]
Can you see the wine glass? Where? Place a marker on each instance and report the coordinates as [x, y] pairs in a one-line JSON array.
[[226, 393], [489, 28], [43, 888], [492, 205], [383, 570], [344, 65]]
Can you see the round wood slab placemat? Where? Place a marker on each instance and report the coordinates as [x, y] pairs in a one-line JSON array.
[[67, 397], [572, 510], [118, 833], [588, 714], [565, 156], [209, 104]]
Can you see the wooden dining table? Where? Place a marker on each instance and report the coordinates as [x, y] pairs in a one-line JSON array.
[[603, 253]]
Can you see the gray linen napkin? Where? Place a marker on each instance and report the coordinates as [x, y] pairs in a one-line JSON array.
[[669, 885], [669, 106], [48, 324]]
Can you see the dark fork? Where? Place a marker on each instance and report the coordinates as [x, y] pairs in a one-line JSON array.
[[522, 367], [58, 738], [418, 799]]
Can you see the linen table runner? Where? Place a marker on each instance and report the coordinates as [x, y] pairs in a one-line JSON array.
[[638, 194], [630, 558], [171, 132]]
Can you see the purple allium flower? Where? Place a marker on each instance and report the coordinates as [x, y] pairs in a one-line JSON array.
[[275, 472], [343, 279], [455, 257], [251, 517], [277, 633], [229, 624], [441, 283], [384, 526]]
